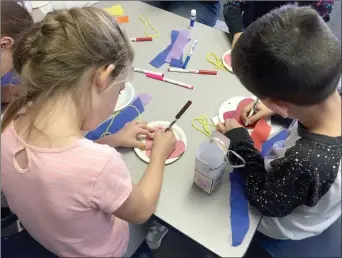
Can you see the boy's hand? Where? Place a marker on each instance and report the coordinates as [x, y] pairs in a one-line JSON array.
[[228, 125], [261, 111]]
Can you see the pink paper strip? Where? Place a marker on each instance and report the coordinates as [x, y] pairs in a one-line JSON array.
[[179, 45]]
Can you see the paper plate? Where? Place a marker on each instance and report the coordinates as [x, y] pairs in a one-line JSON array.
[[37, 4], [125, 98], [224, 63], [179, 133], [231, 105]]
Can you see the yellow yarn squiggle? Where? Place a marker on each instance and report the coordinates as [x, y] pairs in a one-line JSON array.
[[216, 61], [112, 120], [146, 21], [205, 122]]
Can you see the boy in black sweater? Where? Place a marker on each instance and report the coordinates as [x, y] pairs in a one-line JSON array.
[[291, 61]]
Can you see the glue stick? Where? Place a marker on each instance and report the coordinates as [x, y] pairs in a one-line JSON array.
[[192, 18]]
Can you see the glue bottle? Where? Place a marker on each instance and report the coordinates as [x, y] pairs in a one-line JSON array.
[[192, 18]]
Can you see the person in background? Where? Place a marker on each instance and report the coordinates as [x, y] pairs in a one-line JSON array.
[[207, 11], [239, 15], [14, 20], [75, 196], [291, 61]]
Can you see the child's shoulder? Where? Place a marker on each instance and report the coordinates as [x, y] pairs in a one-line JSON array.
[[308, 152], [94, 151]]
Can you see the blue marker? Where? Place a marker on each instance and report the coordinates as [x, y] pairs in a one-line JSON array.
[[192, 18], [190, 53]]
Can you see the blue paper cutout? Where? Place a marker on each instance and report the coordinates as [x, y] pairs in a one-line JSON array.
[[239, 215], [268, 144], [177, 62], [9, 78], [125, 116], [159, 60]]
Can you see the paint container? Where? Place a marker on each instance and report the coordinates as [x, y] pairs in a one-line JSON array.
[[212, 162], [192, 18]]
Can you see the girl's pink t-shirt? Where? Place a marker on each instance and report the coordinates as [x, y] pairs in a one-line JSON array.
[[65, 198]]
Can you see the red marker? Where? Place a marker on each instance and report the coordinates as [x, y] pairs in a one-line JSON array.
[[140, 39], [161, 78], [180, 70]]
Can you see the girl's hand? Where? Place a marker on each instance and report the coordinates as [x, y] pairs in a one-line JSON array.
[[128, 135], [163, 144], [261, 111], [228, 125]]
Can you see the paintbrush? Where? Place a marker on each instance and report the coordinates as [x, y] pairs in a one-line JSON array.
[[251, 112], [180, 113]]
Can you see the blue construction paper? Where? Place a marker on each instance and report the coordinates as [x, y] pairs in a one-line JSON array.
[[159, 60], [177, 62], [125, 116], [268, 144], [239, 216], [9, 78]]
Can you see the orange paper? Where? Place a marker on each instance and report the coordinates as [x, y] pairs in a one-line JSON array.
[[122, 19]]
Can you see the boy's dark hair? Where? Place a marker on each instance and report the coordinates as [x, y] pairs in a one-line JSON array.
[[14, 19], [289, 54]]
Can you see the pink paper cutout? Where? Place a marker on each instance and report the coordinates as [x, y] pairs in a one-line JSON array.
[[228, 59], [179, 45]]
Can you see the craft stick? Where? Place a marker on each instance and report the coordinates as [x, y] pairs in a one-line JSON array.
[[180, 70]]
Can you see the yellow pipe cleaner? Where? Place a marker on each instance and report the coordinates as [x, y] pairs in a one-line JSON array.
[[146, 21], [216, 61], [112, 120], [205, 122]]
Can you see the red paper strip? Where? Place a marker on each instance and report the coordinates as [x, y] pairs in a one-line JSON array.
[[260, 133]]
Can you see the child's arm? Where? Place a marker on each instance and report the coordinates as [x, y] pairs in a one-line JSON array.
[[114, 193], [280, 190], [141, 203]]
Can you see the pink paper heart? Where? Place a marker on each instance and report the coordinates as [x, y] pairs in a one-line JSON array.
[[228, 59], [179, 149]]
